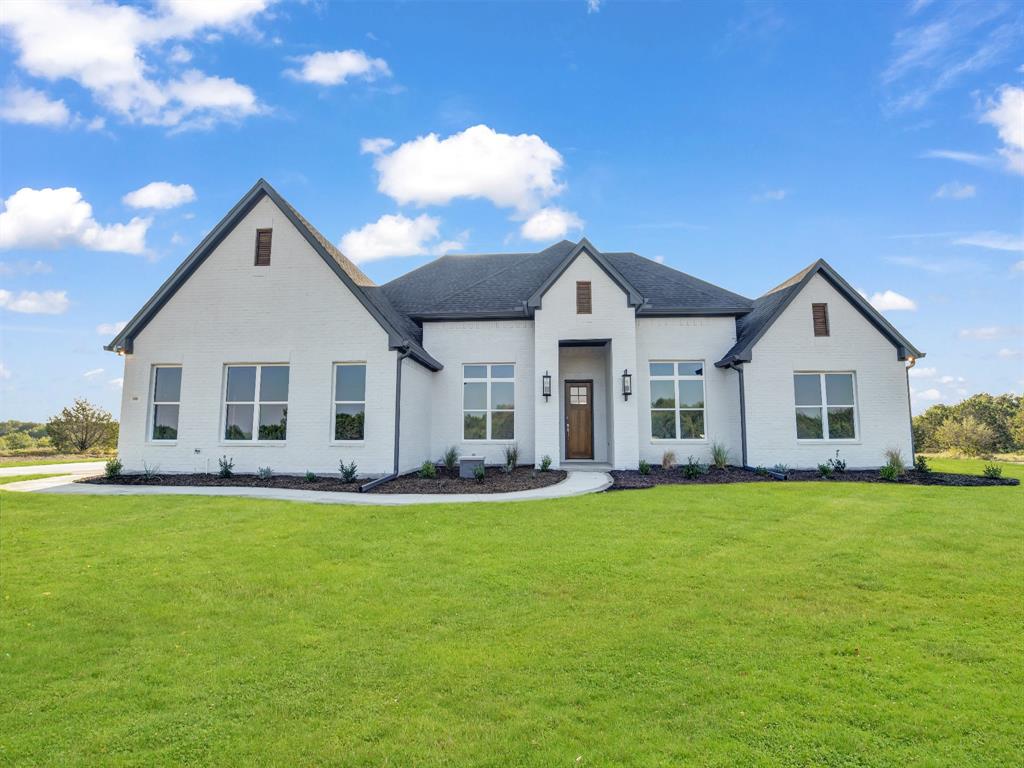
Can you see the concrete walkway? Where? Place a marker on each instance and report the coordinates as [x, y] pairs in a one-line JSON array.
[[575, 484]]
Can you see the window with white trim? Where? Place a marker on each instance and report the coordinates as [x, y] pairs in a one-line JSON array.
[[166, 399], [256, 402], [677, 400], [826, 406], [349, 401], [488, 401]]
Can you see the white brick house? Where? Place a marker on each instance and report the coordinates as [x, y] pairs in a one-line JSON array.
[[268, 346]]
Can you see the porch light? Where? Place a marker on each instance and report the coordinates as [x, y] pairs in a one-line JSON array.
[[545, 385], [627, 384]]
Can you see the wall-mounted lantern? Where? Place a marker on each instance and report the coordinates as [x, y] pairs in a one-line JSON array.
[[627, 384], [545, 385]]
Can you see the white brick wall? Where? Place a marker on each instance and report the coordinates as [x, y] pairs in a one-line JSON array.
[[295, 311], [883, 414], [417, 407]]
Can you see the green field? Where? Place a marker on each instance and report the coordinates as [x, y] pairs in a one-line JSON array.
[[764, 624], [19, 478], [14, 461]]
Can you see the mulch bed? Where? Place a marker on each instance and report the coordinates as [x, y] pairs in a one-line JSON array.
[[632, 479], [495, 481]]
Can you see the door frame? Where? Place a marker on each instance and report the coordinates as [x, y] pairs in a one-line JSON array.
[[565, 409]]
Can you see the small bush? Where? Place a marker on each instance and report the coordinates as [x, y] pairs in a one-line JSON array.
[[921, 465], [668, 460], [889, 472], [311, 477], [545, 464], [149, 471], [967, 435], [479, 472], [450, 459], [348, 471], [511, 457], [227, 466], [992, 470], [113, 468], [645, 468], [264, 473], [693, 469], [825, 470], [428, 471], [761, 470], [782, 469], [894, 459], [719, 455], [837, 464]]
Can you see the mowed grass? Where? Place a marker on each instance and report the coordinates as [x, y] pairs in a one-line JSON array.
[[784, 624], [19, 478], [7, 461]]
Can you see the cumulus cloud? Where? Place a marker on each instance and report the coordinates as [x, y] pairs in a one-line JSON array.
[[375, 146], [396, 235], [917, 372], [336, 67], [114, 51], [954, 190], [32, 107], [517, 172], [930, 395], [160, 194], [111, 329], [997, 241], [52, 218], [35, 302], [593, 6], [550, 223], [1006, 113], [890, 301]]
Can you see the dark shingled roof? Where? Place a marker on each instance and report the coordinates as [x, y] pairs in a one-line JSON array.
[[500, 284]]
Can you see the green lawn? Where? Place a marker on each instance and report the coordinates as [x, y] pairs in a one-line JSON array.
[[14, 462], [784, 624], [19, 478]]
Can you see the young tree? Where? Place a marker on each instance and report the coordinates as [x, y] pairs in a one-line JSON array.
[[81, 427]]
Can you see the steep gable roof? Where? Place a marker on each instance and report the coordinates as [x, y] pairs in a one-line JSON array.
[[633, 297], [402, 333], [767, 309]]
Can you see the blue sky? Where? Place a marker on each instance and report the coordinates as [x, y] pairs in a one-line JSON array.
[[737, 142]]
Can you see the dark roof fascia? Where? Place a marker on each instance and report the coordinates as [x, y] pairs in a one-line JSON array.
[[395, 339], [702, 312], [634, 298], [497, 314], [904, 348]]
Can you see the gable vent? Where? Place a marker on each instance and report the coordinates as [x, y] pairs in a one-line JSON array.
[[820, 314], [583, 302], [263, 237]]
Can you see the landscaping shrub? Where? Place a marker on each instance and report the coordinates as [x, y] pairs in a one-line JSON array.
[[966, 435], [149, 471], [113, 468], [837, 464], [889, 472], [668, 460], [719, 455], [264, 473], [227, 466], [894, 459], [645, 468], [511, 457], [825, 470], [992, 470], [428, 471], [311, 477], [782, 469], [761, 470], [693, 469], [349, 471], [479, 472], [545, 464], [921, 465], [450, 459]]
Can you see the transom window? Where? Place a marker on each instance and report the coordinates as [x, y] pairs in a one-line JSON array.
[[488, 402], [256, 402], [349, 401], [826, 406], [677, 400], [166, 402]]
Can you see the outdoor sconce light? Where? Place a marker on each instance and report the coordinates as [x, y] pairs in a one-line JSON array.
[[627, 384], [545, 385]]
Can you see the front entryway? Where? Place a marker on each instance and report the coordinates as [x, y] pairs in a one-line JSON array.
[[579, 419]]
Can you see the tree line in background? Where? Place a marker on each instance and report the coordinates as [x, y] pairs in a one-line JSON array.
[[978, 426], [81, 428]]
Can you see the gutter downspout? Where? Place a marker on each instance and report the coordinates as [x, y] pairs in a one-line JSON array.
[[743, 412], [404, 353], [910, 408]]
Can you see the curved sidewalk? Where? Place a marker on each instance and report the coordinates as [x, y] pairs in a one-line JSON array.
[[575, 484]]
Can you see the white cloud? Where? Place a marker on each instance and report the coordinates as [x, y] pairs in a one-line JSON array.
[[593, 6], [114, 52], [93, 373], [550, 223], [511, 171], [917, 372], [336, 67], [970, 158], [5, 372], [1007, 115], [954, 190], [989, 332], [160, 194], [770, 195], [375, 146], [952, 380], [890, 301], [1018, 267], [117, 383], [180, 55], [35, 303], [927, 395], [659, 259], [32, 107], [1010, 354], [52, 218], [396, 235], [111, 329], [997, 241], [24, 267]]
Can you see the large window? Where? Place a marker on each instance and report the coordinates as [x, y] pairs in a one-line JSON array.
[[826, 408], [256, 402], [349, 401], [488, 402], [166, 402], [677, 400]]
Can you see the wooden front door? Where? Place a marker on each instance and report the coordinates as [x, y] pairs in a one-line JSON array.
[[579, 419]]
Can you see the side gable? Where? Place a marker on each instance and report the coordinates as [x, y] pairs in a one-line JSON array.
[[769, 307], [633, 297], [401, 332]]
